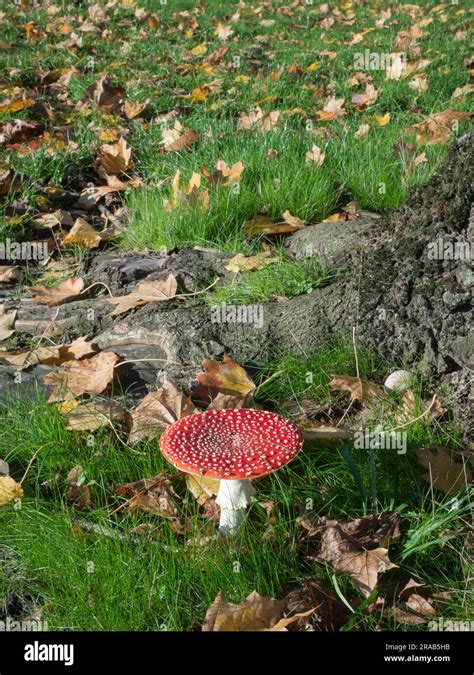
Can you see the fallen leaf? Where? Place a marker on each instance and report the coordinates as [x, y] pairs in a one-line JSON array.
[[106, 95], [437, 128], [202, 488], [243, 263], [64, 292], [366, 99], [444, 473], [362, 130], [158, 410], [255, 613], [183, 142], [263, 225], [115, 158], [150, 495], [9, 490], [7, 323], [360, 390], [133, 109], [382, 120], [226, 377], [89, 376], [333, 109], [460, 92], [315, 156], [92, 416], [146, 292]]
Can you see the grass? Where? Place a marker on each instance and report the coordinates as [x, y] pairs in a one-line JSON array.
[[280, 61], [283, 279], [165, 579]]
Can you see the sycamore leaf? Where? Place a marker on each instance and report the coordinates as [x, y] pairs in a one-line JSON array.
[[10, 275], [157, 410], [9, 490], [146, 292], [315, 156], [226, 377], [360, 390], [82, 233], [92, 416], [333, 109], [53, 355], [132, 109], [183, 142], [437, 128], [115, 158], [89, 376], [106, 95], [255, 613], [243, 263], [263, 225], [7, 322], [225, 174], [444, 473], [367, 98], [64, 292], [202, 488]]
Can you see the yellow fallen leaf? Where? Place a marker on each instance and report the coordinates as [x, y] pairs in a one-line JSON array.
[[9, 490]]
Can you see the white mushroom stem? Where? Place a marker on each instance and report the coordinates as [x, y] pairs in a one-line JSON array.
[[233, 497]]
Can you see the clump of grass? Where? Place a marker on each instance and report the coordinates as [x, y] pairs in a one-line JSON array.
[[284, 278], [293, 377]]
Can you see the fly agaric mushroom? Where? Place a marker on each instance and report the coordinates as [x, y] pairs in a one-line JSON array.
[[234, 446]]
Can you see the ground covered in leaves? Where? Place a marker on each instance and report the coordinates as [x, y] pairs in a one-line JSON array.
[[135, 125]]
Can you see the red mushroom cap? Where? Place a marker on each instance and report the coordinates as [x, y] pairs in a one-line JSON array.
[[231, 444]]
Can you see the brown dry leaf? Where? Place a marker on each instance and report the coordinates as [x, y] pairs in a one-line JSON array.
[[315, 156], [183, 142], [132, 109], [9, 490], [227, 402], [115, 158], [64, 292], [82, 233], [410, 409], [202, 488], [437, 128], [79, 493], [7, 323], [333, 109], [362, 130], [157, 410], [344, 555], [106, 95], [150, 495], [10, 275], [243, 263], [54, 355], [443, 472], [255, 613], [226, 377], [367, 98], [460, 92], [54, 219], [258, 120], [92, 416], [360, 390], [89, 376], [146, 292], [263, 225], [225, 174]]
